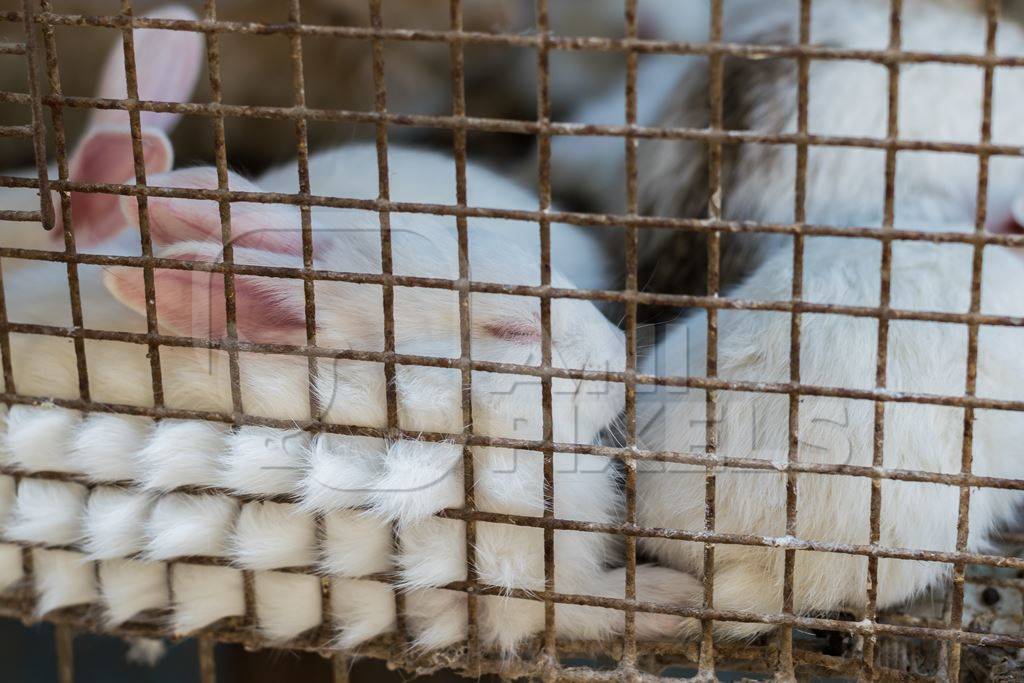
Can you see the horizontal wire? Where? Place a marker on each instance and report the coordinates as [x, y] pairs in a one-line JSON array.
[[531, 40]]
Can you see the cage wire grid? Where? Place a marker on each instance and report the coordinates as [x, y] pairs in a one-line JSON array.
[[634, 659]]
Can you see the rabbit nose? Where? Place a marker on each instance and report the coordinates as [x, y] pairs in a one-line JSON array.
[[1011, 224], [1014, 223], [1007, 226]]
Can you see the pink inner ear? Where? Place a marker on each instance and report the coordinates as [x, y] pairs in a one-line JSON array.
[[514, 330], [192, 303], [269, 227], [106, 157]]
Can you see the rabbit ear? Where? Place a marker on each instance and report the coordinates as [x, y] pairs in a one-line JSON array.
[[191, 303], [270, 227], [105, 156], [167, 65]]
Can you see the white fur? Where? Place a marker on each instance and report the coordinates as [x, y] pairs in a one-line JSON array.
[[503, 405], [575, 252], [438, 617], [287, 605], [103, 446], [432, 554], [181, 525], [114, 522], [203, 595], [47, 512], [837, 351], [181, 453], [62, 579], [341, 471], [362, 610], [10, 555], [272, 536], [262, 461], [129, 587], [5, 455], [418, 479], [355, 545], [37, 438]]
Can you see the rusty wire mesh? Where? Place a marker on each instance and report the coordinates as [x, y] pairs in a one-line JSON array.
[[633, 657]]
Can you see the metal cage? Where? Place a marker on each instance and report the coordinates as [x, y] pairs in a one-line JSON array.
[[869, 638]]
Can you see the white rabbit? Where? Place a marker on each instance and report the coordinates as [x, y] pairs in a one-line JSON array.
[[504, 329], [408, 481], [836, 351]]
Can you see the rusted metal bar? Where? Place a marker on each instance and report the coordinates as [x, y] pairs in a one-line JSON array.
[[529, 40], [35, 105]]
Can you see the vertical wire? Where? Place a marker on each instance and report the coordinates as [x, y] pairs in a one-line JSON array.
[[386, 262], [145, 240], [64, 637], [42, 172], [628, 662], [550, 664], [149, 286], [38, 127], [971, 383], [785, 669], [457, 54], [227, 253], [5, 340], [882, 351], [65, 641], [716, 77], [308, 286], [340, 666], [70, 251], [46, 213], [207, 659]]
